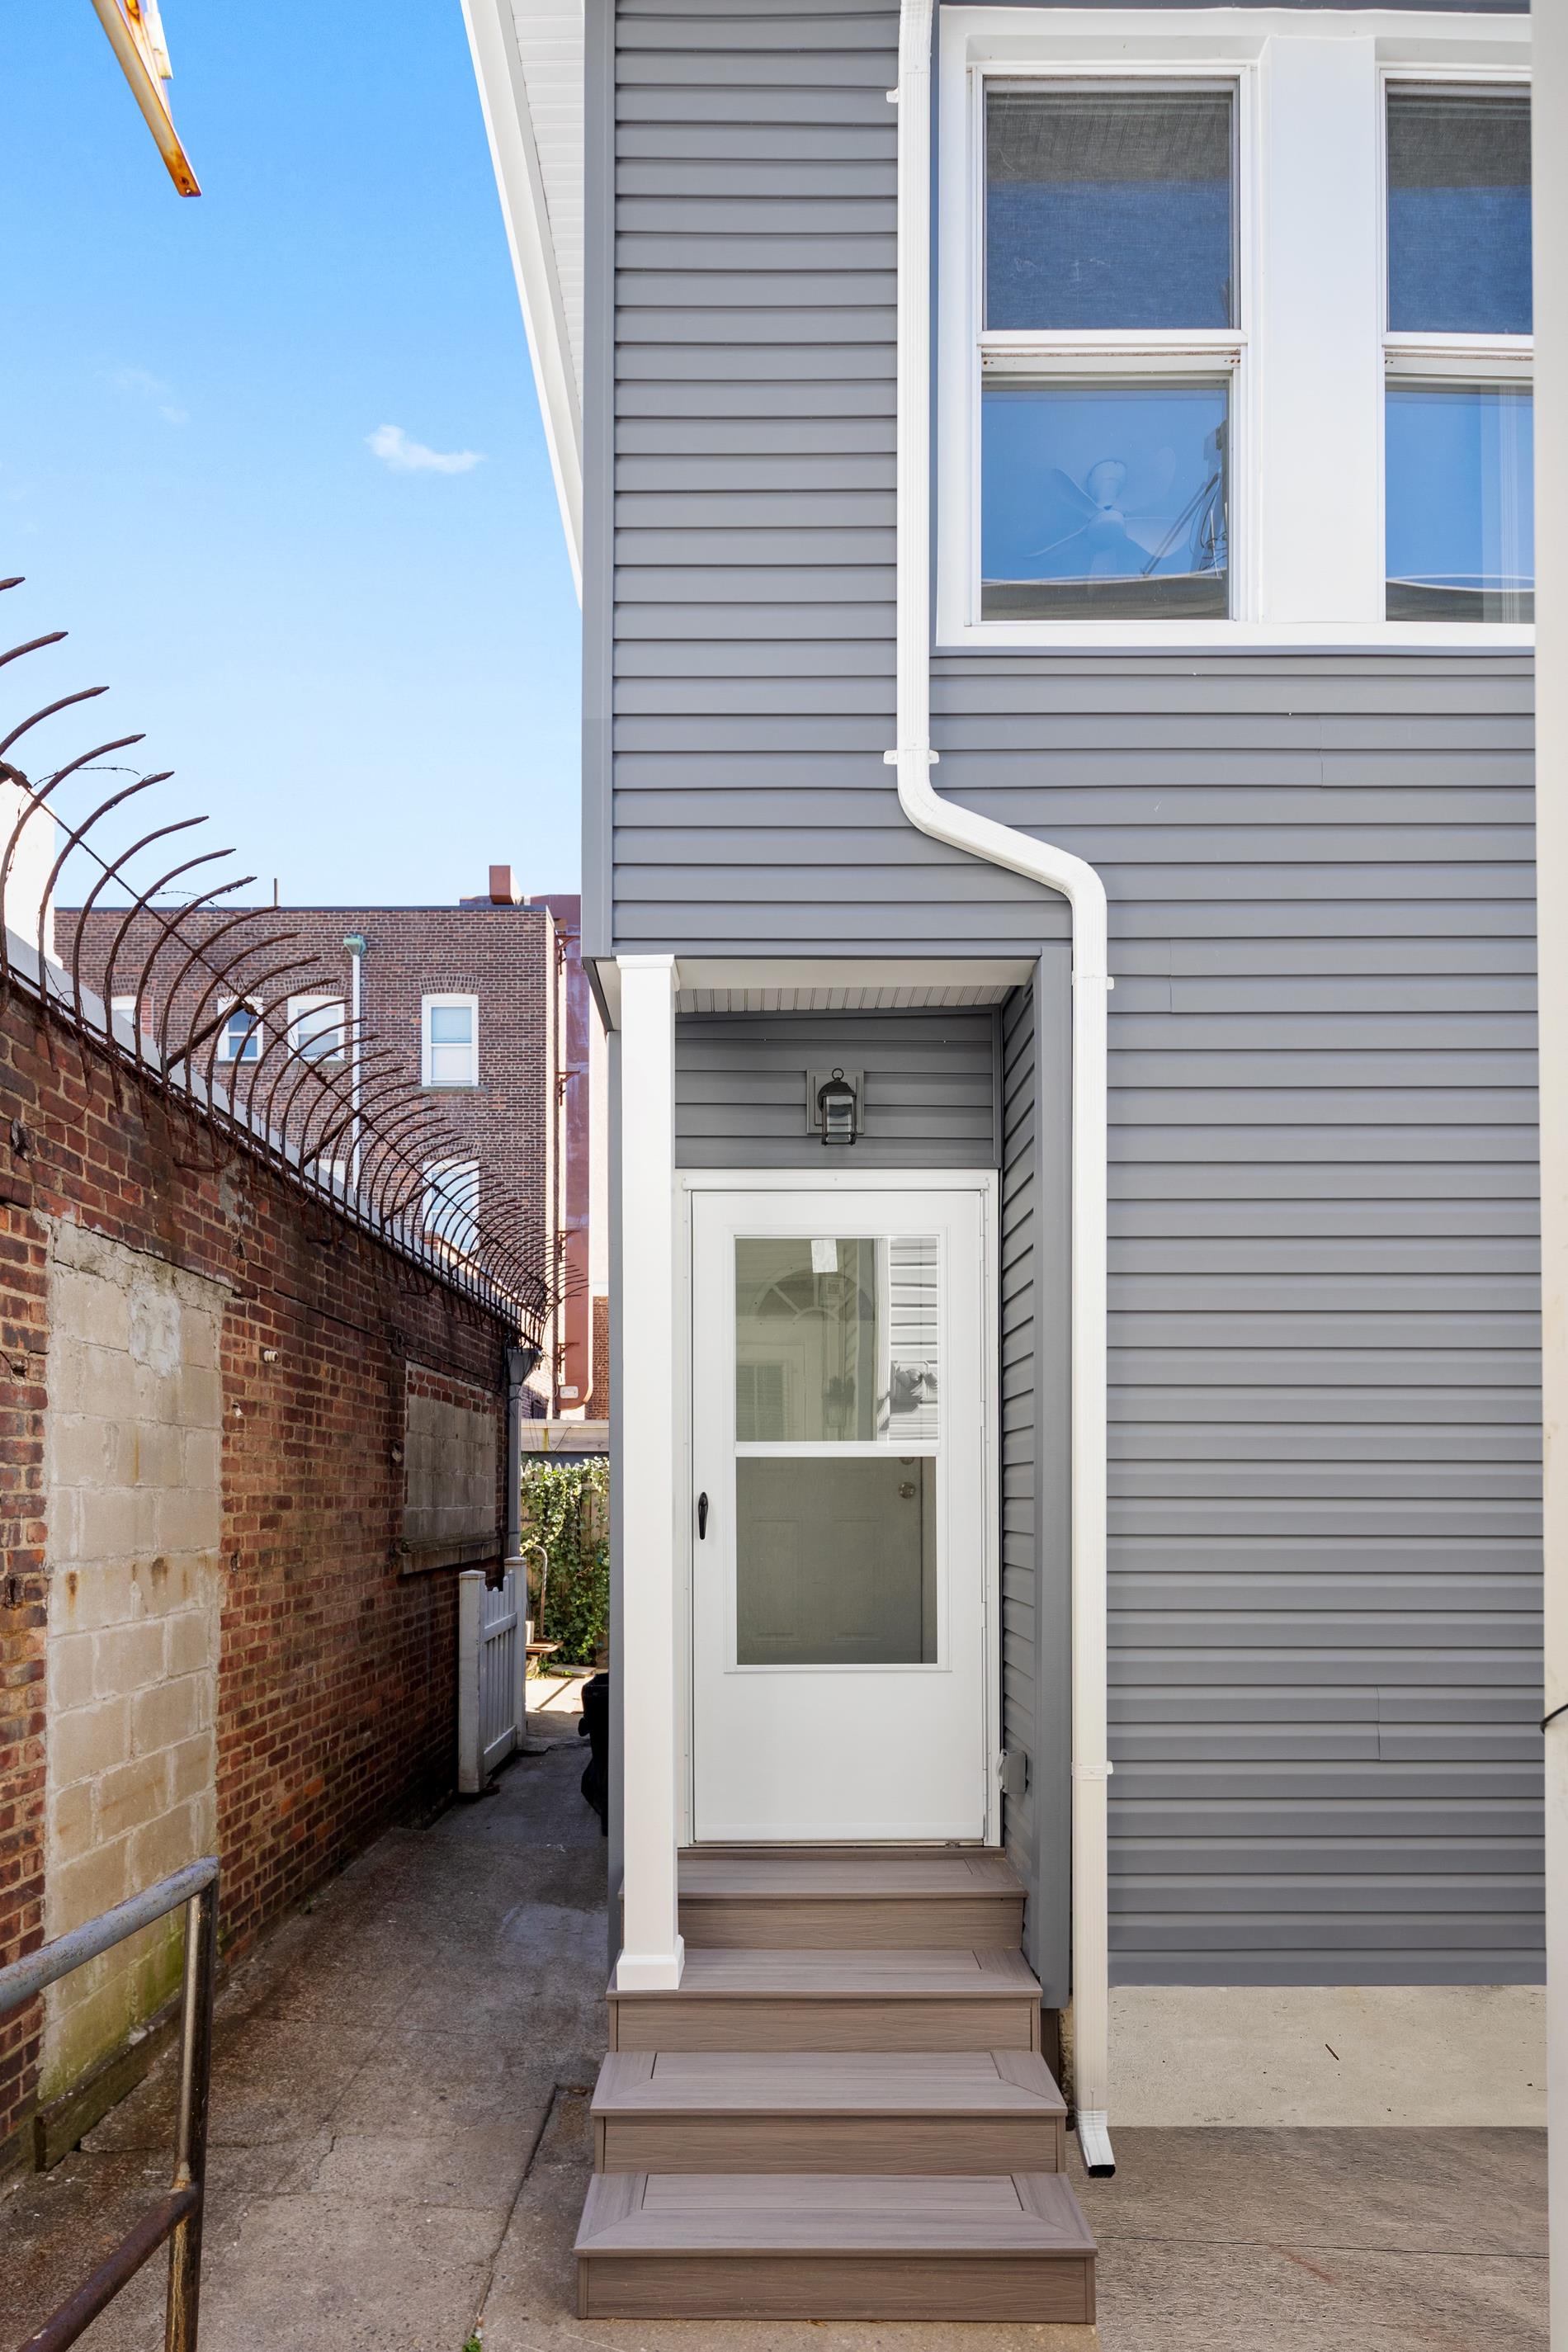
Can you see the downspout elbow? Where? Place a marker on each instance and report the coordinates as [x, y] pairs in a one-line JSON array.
[[1019, 853]]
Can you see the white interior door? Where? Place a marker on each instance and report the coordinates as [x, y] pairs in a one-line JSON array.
[[841, 1506]]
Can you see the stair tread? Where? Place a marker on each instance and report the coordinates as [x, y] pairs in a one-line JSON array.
[[920, 2216], [950, 2084], [915, 1974], [789, 1876]]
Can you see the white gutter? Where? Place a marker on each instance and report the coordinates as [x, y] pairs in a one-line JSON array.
[[1054, 870], [509, 124]]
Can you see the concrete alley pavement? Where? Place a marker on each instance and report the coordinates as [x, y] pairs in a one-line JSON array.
[[400, 2147]]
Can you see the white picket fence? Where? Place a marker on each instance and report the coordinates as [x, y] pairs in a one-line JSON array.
[[492, 1667]]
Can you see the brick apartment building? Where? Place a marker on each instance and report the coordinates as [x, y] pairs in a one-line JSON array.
[[485, 1004]]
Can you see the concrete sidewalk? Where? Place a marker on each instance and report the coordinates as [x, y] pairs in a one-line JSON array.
[[400, 2149]]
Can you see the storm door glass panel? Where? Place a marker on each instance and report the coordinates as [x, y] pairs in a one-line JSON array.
[[1461, 501], [836, 1426], [1109, 209], [1105, 499], [1458, 212]]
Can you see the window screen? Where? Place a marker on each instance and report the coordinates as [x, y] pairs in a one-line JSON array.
[[1109, 209], [1458, 212]]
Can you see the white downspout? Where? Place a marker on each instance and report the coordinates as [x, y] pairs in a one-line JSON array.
[[355, 944], [1085, 894]]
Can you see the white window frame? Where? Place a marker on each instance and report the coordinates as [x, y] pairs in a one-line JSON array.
[[459, 1241], [429, 1005], [226, 1005], [1409, 354], [1306, 549], [300, 1007]]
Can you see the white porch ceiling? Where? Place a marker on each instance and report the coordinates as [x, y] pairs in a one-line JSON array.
[[729, 984]]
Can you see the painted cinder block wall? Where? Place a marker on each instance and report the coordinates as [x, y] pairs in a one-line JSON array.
[[206, 1624]]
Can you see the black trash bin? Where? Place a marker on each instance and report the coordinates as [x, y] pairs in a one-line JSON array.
[[595, 1728]]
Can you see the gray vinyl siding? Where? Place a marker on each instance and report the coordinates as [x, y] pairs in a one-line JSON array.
[[1018, 1319], [1325, 1568], [1035, 1270], [928, 1095]]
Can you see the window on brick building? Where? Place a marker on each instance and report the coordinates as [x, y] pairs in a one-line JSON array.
[[240, 1039], [316, 1027], [452, 1205], [450, 1045]]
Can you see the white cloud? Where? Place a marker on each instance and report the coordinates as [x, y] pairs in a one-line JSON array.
[[151, 388], [395, 450]]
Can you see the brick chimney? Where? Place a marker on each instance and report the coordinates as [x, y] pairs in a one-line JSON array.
[[502, 893]]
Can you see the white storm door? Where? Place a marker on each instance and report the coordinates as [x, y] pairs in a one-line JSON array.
[[840, 1502]]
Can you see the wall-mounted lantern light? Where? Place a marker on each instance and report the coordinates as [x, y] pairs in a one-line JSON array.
[[837, 1107]]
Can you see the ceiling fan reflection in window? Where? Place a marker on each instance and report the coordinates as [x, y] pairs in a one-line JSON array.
[[1118, 521]]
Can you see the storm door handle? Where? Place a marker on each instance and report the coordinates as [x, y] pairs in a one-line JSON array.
[[702, 1518]]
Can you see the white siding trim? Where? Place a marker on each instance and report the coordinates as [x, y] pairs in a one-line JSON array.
[[652, 1953]]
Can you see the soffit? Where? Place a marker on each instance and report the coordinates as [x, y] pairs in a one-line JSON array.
[[550, 53]]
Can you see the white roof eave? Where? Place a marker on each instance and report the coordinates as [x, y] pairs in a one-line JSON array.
[[527, 61]]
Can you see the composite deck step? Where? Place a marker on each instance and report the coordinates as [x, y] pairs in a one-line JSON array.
[[821, 2246], [837, 1898], [835, 1999], [880, 2112]]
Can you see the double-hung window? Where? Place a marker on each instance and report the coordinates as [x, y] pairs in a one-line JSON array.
[[450, 1042], [451, 1206], [240, 1037], [316, 1027], [1232, 326], [1458, 476], [1109, 342]]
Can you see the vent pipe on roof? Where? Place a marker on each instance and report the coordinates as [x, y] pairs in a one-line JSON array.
[[1054, 870]]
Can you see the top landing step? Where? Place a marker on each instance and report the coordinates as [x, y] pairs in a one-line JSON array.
[[872, 1898]]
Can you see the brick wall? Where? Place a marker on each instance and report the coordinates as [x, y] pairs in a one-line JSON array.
[[504, 955], [24, 1621], [328, 1708]]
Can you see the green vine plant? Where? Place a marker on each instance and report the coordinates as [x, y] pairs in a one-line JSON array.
[[566, 1515]]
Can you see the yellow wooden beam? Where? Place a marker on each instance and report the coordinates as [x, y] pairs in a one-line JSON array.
[[136, 37]]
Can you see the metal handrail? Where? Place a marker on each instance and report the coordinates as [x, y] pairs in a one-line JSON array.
[[178, 2216]]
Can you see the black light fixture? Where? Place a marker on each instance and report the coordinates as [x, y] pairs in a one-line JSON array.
[[837, 1109]]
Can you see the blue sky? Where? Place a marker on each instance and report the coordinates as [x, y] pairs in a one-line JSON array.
[[366, 672]]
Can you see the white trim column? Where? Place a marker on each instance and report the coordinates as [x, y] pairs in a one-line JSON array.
[[651, 1950]]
